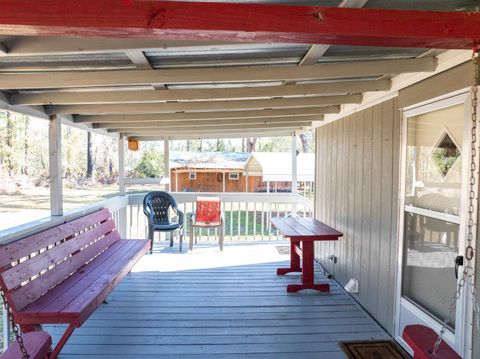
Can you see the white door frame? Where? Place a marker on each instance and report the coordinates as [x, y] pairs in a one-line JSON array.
[[461, 340]]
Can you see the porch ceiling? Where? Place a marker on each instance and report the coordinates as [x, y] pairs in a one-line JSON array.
[[182, 89]]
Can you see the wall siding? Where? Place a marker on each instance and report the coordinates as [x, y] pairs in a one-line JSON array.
[[357, 193]]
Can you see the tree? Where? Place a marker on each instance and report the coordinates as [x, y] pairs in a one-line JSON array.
[[150, 165], [251, 142], [89, 155], [26, 144], [304, 141], [9, 160]]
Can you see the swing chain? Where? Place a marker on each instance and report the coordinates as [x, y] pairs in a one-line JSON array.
[[468, 272], [15, 327]]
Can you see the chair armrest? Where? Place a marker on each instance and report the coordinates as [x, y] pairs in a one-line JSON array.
[[180, 215]]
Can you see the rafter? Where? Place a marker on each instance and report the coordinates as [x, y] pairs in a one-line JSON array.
[[226, 122], [195, 128], [315, 52], [216, 134], [47, 80], [47, 45], [241, 22], [111, 97], [189, 132], [204, 106], [219, 115], [139, 59]]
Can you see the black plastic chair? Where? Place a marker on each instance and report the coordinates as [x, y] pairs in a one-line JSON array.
[[156, 206]]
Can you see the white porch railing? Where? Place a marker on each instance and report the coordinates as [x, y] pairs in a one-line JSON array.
[[247, 217]]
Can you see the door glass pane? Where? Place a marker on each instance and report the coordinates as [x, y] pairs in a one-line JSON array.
[[433, 183], [431, 246], [434, 160]]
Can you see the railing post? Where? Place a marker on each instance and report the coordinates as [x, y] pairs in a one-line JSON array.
[[55, 165], [6, 329]]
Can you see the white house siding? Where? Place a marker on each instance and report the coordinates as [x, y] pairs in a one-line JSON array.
[[357, 193]]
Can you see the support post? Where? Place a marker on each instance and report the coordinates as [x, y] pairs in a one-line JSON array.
[[268, 186], [55, 165], [294, 163], [122, 217], [223, 181], [166, 162], [121, 164], [176, 181]]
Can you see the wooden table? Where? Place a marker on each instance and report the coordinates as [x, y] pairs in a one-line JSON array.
[[303, 232]]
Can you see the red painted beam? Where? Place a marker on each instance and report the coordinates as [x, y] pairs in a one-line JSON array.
[[241, 22]]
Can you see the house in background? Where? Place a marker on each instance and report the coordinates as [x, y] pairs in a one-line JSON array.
[[274, 170], [239, 172]]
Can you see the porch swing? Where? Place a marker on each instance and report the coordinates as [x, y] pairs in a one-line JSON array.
[[424, 341], [33, 345]]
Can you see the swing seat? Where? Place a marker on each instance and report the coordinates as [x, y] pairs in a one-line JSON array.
[[38, 345], [422, 339]]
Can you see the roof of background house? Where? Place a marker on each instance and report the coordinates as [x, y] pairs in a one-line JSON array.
[[277, 166], [204, 160]]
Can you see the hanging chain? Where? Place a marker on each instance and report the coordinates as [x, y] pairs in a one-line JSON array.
[[468, 275], [15, 327], [470, 250]]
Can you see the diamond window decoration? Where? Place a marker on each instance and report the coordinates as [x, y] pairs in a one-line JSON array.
[[445, 153]]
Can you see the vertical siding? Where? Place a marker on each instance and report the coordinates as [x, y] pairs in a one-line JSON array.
[[357, 193]]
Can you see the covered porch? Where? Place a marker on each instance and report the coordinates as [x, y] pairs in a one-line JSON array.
[[352, 70]]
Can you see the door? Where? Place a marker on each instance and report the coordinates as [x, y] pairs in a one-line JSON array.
[[432, 217]]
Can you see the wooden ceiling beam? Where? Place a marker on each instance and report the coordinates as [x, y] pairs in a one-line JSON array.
[[242, 22], [148, 96], [213, 135], [348, 70], [245, 105], [256, 127], [49, 46], [226, 122], [219, 115], [256, 132]]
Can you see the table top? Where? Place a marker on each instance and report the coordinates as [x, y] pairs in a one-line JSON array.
[[297, 228]]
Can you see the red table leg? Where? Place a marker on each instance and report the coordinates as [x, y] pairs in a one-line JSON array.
[[294, 260], [308, 274]]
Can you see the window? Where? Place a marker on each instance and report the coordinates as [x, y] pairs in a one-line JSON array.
[[234, 176], [445, 154], [192, 176]]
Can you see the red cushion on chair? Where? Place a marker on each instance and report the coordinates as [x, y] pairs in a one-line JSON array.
[[422, 339], [37, 344], [208, 209]]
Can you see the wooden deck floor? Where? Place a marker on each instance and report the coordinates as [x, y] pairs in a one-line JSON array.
[[208, 304]]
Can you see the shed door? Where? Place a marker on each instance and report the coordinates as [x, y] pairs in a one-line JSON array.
[[432, 237]]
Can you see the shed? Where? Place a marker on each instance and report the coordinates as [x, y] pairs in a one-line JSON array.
[[208, 171]]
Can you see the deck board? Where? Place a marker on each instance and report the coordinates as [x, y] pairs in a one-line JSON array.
[[221, 305]]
